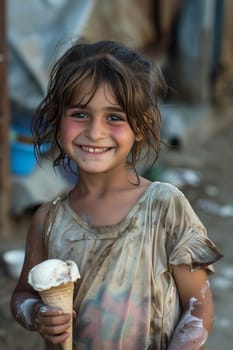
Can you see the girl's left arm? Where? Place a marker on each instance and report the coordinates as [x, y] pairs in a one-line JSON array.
[[197, 317]]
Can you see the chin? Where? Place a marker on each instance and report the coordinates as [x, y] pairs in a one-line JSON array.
[[94, 171]]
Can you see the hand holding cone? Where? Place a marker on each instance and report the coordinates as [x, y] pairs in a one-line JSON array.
[[62, 297]]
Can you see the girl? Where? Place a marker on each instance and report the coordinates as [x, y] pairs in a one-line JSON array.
[[143, 254]]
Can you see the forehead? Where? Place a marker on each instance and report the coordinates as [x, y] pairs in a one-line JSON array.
[[87, 91]]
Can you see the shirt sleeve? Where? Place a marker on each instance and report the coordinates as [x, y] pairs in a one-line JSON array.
[[187, 237]]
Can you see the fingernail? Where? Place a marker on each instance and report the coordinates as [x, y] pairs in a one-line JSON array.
[[43, 309]]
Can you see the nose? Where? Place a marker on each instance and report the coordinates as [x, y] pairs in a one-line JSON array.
[[97, 129]]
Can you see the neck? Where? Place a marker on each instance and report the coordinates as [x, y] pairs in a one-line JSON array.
[[101, 184]]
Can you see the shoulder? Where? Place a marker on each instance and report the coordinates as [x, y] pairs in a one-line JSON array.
[[172, 201], [45, 209], [39, 222], [41, 213], [165, 192]]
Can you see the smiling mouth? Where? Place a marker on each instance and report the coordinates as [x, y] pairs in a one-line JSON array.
[[95, 149]]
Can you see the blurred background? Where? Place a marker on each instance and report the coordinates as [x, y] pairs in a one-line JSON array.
[[192, 41]]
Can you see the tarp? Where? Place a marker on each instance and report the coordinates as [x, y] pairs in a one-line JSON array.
[[38, 32]]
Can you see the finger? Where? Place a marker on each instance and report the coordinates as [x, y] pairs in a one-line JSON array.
[[46, 310], [58, 339], [55, 330], [53, 321]]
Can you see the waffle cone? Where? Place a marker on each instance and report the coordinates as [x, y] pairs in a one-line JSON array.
[[62, 297]]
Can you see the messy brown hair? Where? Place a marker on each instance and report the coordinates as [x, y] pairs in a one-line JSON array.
[[136, 82]]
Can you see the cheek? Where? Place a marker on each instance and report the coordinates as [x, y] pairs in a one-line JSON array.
[[64, 137], [123, 135], [66, 134], [68, 130]]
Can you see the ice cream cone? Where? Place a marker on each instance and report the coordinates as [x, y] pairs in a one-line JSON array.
[[62, 297], [54, 280]]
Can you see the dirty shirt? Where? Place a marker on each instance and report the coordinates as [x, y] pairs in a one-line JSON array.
[[126, 297]]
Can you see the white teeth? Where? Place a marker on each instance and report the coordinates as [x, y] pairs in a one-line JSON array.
[[94, 149]]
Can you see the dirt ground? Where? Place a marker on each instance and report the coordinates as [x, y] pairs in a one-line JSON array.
[[212, 160]]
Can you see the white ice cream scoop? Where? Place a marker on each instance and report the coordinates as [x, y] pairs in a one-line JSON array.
[[52, 273]]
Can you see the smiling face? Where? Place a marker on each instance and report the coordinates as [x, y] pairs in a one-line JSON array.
[[95, 132]]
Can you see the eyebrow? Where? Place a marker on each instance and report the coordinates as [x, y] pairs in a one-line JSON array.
[[107, 108]]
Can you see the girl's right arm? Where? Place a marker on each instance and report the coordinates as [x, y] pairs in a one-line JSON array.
[[25, 302]]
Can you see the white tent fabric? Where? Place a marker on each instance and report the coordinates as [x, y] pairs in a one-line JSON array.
[[37, 31]]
